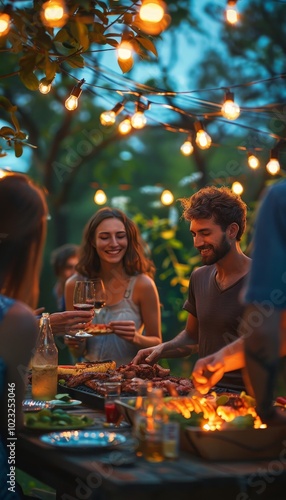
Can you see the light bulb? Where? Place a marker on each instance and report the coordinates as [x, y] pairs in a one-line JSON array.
[[138, 120], [230, 110], [54, 13], [253, 161], [124, 51], [167, 197], [107, 118], [187, 148], [231, 12], [203, 139], [71, 103], [273, 166], [152, 11], [4, 23], [100, 197], [237, 188], [45, 86], [125, 126]]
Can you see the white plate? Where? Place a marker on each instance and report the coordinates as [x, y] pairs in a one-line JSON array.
[[65, 404], [83, 439]]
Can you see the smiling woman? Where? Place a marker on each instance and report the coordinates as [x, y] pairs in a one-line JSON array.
[[113, 250]]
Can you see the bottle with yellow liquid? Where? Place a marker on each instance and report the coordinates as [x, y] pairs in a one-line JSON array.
[[45, 363]]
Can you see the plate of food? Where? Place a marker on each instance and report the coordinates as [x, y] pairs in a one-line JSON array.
[[64, 401], [55, 419], [80, 440], [99, 329]]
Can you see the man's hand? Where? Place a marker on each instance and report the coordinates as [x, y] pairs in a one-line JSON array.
[[70, 321], [149, 355], [207, 372]]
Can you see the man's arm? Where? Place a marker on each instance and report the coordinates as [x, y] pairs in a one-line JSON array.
[[182, 345]]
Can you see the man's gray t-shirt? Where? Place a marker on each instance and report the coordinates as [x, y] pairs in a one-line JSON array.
[[219, 313]]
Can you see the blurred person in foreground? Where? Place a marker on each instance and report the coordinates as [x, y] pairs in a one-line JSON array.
[[217, 222], [22, 236], [112, 250], [263, 327]]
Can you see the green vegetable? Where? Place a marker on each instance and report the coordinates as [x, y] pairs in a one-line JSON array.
[[241, 422], [63, 397]]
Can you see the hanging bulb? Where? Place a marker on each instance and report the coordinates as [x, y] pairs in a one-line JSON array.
[[124, 50], [152, 11], [187, 148], [54, 13], [4, 23], [273, 166], [230, 109], [203, 140], [237, 188], [253, 161], [100, 197], [45, 86], [72, 101], [138, 120], [125, 126], [107, 118], [167, 197], [231, 12]]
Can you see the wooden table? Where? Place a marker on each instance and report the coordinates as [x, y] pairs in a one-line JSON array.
[[102, 475]]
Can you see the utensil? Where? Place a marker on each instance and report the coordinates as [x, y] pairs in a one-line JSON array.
[[35, 405]]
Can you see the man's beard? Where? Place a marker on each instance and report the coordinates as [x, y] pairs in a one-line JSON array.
[[217, 253]]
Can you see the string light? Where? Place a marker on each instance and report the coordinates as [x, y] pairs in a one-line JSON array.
[[231, 13], [167, 197], [273, 166], [45, 86], [253, 161], [72, 101], [187, 148], [237, 188], [203, 140], [54, 13], [152, 11], [100, 197], [4, 23], [125, 126], [139, 120], [230, 109], [124, 51], [108, 118]]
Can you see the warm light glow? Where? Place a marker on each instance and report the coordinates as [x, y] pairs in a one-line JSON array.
[[138, 120], [124, 51], [71, 103], [203, 139], [231, 13], [253, 162], [107, 118], [3, 174], [125, 126], [54, 13], [237, 188], [152, 11], [167, 197], [230, 110], [45, 86], [100, 197], [4, 23], [273, 166], [187, 148]]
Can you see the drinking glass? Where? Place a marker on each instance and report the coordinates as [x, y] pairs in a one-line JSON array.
[[99, 295], [112, 392], [84, 300]]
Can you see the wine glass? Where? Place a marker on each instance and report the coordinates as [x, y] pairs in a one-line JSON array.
[[84, 300], [99, 295]]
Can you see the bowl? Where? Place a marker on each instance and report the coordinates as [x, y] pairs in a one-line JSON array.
[[235, 444]]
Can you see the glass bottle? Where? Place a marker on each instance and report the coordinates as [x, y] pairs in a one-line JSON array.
[[153, 449], [45, 363], [139, 423]]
